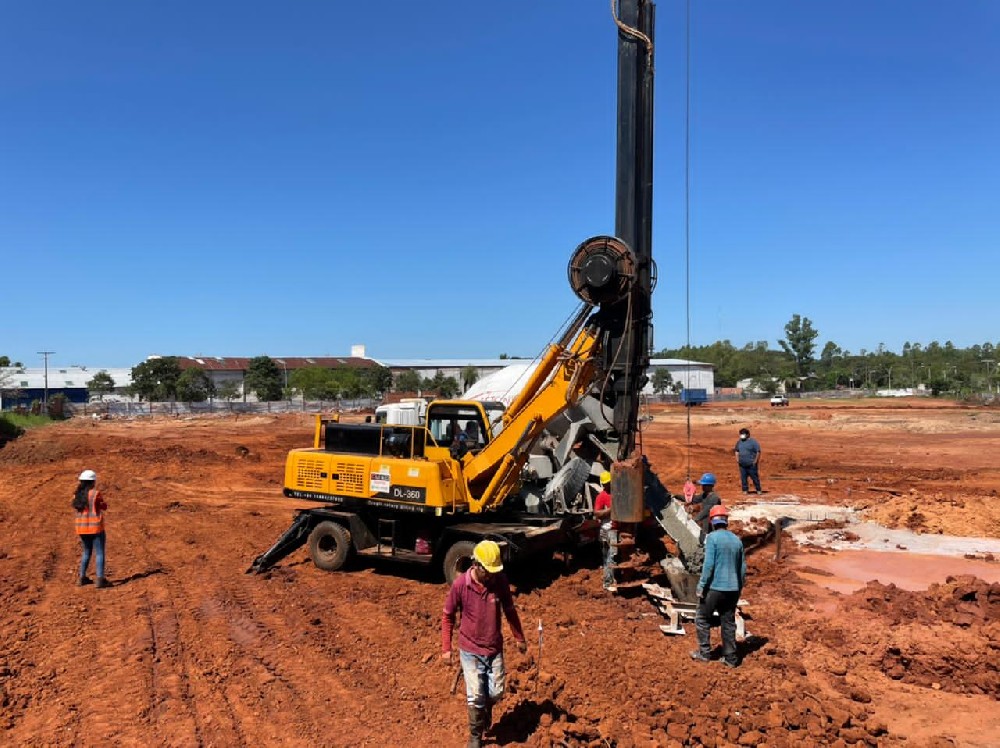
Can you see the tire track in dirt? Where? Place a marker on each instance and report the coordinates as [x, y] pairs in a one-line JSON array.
[[172, 705], [76, 635], [671, 462], [300, 671], [336, 648], [380, 660], [185, 702], [39, 612]]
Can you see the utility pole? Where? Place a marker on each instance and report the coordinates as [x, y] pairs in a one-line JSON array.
[[988, 361], [45, 392]]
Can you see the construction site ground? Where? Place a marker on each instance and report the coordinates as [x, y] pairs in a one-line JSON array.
[[185, 649]]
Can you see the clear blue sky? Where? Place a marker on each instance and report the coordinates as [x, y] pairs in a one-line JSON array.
[[245, 178]]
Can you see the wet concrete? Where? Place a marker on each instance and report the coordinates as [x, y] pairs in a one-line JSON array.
[[799, 520], [847, 571]]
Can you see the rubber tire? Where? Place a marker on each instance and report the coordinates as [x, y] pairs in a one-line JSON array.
[[456, 560], [329, 545]]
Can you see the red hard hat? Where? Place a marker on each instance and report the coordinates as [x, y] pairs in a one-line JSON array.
[[718, 511]]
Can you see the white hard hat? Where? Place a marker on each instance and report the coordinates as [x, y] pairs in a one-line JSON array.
[[88, 475]]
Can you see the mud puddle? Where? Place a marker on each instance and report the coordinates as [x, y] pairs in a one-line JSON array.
[[847, 571]]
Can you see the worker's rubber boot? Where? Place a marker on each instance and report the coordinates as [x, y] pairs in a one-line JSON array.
[[487, 720], [102, 582], [476, 719]]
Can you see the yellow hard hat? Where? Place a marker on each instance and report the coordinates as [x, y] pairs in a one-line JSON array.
[[487, 553], [605, 478]]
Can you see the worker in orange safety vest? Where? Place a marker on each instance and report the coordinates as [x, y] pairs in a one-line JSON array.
[[89, 506]]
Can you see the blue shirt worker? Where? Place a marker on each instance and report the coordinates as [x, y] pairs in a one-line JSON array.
[[719, 588], [747, 451]]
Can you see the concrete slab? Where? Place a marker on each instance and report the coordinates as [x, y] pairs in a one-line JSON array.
[[858, 534]]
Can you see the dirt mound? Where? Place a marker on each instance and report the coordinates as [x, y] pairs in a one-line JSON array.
[[937, 513], [964, 601], [947, 637]]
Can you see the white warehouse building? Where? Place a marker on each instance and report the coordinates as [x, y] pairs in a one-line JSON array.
[[690, 374]]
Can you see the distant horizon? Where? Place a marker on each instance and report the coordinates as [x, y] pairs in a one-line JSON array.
[[511, 357]]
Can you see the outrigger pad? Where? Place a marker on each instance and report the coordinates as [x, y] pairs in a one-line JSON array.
[[292, 539]]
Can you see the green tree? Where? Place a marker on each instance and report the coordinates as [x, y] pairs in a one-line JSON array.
[[156, 379], [662, 381], [58, 407], [377, 380], [315, 383], [799, 343], [194, 386], [264, 378], [9, 430], [470, 375], [409, 381], [764, 383], [4, 361], [101, 384], [347, 383], [228, 390], [444, 386]]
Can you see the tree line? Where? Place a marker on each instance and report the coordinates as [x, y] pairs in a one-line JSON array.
[[940, 367], [162, 379]]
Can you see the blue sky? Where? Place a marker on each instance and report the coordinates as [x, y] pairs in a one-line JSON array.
[[245, 178]]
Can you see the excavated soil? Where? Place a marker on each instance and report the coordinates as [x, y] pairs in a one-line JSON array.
[[186, 649]]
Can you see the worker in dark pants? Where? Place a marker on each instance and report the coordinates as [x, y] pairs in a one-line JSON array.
[[747, 451], [481, 594], [719, 588], [89, 506], [708, 499]]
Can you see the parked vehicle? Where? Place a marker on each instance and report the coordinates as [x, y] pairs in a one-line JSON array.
[[778, 401], [694, 396], [410, 411]]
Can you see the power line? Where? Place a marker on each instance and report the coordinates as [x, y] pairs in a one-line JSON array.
[[687, 212], [45, 392]]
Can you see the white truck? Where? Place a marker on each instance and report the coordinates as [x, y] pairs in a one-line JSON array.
[[410, 411], [778, 401]]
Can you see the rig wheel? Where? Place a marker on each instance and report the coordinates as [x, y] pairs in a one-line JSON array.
[[329, 545], [457, 560]]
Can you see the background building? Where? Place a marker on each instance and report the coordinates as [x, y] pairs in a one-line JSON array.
[[23, 385], [693, 375]]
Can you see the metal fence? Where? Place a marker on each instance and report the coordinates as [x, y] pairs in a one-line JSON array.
[[793, 396], [131, 409]]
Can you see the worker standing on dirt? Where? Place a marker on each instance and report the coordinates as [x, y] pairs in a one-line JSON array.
[[719, 588], [708, 500], [89, 506], [480, 594], [609, 530], [747, 451]]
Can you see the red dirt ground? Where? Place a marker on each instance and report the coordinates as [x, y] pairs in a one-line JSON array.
[[185, 649]]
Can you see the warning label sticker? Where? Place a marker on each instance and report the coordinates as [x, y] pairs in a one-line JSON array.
[[379, 482]]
